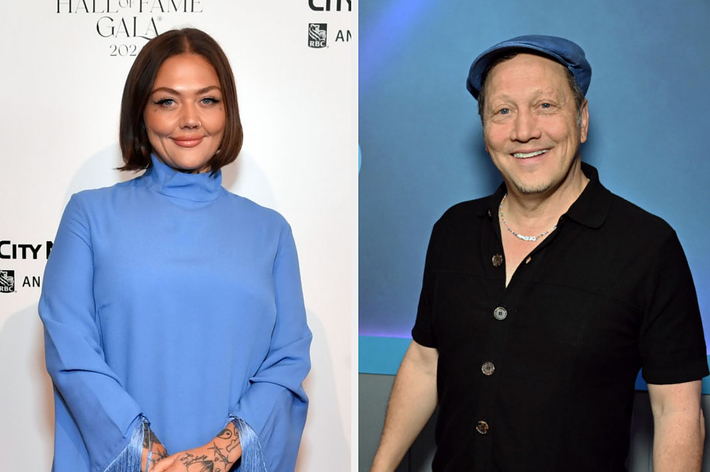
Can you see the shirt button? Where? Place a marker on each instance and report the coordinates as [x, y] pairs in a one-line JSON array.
[[497, 260], [490, 214], [500, 313], [488, 368], [482, 427]]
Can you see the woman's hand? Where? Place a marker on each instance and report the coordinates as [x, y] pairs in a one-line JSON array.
[[151, 443], [218, 455]]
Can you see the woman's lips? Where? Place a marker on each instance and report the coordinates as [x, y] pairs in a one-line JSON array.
[[188, 142]]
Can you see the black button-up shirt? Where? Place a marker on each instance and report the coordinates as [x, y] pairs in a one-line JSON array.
[[539, 376]]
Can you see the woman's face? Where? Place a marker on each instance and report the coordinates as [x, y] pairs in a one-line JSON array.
[[185, 117]]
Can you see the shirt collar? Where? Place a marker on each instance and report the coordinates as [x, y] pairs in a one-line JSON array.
[[592, 206], [590, 209], [164, 179]]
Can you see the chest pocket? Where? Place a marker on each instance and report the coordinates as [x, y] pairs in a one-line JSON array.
[[463, 309]]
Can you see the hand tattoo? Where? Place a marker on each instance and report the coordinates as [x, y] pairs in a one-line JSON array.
[[220, 460], [200, 463], [159, 455]]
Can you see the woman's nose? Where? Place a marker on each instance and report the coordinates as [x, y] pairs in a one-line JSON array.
[[190, 118]]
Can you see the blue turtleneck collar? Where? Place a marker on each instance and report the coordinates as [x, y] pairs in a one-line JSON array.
[[202, 187]]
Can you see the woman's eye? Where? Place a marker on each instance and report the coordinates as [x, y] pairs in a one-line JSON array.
[[210, 100], [166, 102]]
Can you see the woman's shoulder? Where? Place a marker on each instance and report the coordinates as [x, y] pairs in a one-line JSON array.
[[97, 195], [255, 210]]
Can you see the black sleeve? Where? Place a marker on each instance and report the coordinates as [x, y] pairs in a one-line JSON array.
[[672, 343], [423, 331]]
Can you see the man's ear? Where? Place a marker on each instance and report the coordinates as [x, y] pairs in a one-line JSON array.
[[584, 121]]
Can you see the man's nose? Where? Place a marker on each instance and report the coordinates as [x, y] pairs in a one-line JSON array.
[[525, 127]]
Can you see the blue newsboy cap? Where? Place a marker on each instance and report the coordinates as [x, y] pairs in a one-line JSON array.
[[561, 50]]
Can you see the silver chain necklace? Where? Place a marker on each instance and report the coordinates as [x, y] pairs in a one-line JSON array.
[[520, 236]]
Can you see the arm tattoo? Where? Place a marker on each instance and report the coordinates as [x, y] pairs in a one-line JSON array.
[[233, 439], [226, 433], [149, 437], [219, 455], [157, 451]]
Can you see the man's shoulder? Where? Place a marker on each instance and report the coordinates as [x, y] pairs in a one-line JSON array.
[[636, 220], [465, 211]]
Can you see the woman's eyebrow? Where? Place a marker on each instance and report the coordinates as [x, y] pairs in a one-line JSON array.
[[173, 91]]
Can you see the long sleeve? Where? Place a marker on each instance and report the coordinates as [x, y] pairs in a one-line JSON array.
[[275, 404], [107, 418]]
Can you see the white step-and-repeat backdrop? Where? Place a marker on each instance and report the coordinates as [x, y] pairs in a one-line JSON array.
[[63, 64]]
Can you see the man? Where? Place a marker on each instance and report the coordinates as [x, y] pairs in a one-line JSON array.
[[540, 303]]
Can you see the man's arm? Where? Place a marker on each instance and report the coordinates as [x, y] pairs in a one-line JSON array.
[[412, 401], [679, 427]]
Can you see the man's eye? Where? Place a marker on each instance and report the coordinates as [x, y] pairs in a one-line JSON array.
[[546, 105], [504, 111]]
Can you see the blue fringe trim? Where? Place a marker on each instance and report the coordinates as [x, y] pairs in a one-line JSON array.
[[129, 460], [252, 458]]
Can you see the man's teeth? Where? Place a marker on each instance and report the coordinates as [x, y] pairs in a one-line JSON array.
[[524, 155]]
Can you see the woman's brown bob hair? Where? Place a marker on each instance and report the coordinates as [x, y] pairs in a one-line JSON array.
[[135, 146]]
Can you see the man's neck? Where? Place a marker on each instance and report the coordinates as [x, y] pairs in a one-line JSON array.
[[530, 212]]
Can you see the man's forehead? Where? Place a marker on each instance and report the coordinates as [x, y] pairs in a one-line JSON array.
[[529, 93]]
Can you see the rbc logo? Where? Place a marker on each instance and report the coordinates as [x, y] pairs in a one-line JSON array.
[[7, 281], [317, 35]]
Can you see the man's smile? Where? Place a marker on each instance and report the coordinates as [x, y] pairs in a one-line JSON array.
[[526, 155]]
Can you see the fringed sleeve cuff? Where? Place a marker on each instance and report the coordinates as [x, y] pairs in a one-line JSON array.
[[129, 460], [252, 459]]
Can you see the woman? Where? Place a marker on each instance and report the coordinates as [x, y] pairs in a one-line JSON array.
[[175, 329]]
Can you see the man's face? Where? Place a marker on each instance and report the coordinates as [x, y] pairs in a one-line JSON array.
[[530, 123]]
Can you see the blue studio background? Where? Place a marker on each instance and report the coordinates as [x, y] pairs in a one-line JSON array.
[[422, 145]]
